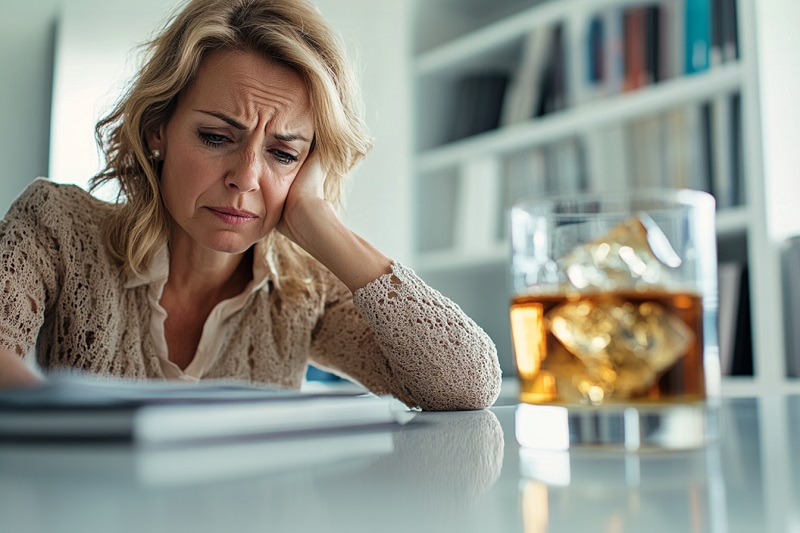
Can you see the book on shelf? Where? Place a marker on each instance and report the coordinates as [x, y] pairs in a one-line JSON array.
[[612, 50], [647, 141], [479, 198], [654, 44], [524, 176], [729, 285], [674, 37], [741, 363], [676, 149], [553, 94], [696, 146], [478, 104], [791, 282], [669, 149], [531, 173], [724, 32], [647, 54], [705, 167], [730, 27], [78, 408], [595, 58], [722, 179], [717, 33], [636, 75], [588, 71], [614, 40], [565, 164], [698, 35], [737, 150], [723, 138], [607, 166], [524, 89]]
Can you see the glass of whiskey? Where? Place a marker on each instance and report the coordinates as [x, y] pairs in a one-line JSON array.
[[613, 319]]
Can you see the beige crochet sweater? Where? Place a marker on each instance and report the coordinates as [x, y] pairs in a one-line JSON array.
[[63, 292]]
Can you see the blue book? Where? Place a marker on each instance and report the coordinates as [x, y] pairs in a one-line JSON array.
[[595, 52], [698, 35]]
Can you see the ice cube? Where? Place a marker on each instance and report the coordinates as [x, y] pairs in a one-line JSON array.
[[620, 347], [622, 259], [569, 379]]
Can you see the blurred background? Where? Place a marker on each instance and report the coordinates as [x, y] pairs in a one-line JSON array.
[[475, 104]]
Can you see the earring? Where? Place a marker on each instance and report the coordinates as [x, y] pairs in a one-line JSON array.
[[155, 155]]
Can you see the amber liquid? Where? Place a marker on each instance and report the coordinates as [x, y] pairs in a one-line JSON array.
[[544, 381]]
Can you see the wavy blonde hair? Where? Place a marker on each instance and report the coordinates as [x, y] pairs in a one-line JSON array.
[[290, 32]]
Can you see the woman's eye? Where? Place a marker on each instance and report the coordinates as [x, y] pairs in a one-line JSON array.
[[284, 158], [212, 139]]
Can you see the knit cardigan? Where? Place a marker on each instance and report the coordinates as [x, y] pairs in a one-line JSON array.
[[65, 294]]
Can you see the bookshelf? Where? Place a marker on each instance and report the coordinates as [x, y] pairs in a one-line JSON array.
[[686, 125]]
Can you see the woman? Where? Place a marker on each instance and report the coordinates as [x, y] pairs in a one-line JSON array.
[[225, 257]]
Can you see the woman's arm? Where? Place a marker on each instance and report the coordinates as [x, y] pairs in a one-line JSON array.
[[399, 336], [14, 373], [32, 255]]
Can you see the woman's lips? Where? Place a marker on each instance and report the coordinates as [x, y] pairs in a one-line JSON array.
[[233, 216]]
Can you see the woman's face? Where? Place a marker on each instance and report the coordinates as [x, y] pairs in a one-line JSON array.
[[231, 150]]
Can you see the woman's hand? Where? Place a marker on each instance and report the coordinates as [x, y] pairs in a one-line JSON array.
[[304, 199], [312, 223], [14, 373]]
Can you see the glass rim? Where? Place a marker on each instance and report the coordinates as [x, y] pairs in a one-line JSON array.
[[666, 196]]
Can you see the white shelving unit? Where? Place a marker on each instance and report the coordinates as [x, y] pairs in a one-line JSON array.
[[492, 33]]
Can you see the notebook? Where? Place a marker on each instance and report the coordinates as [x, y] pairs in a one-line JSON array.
[[75, 408]]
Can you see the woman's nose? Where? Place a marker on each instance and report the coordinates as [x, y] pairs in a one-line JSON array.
[[246, 172]]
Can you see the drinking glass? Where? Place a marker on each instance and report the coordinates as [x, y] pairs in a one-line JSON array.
[[613, 319]]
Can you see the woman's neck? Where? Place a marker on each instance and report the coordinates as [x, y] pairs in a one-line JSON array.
[[206, 275]]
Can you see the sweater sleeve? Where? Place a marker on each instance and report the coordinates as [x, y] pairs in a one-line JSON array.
[[30, 271], [399, 336]]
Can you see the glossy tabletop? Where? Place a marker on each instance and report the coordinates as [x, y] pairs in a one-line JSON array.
[[440, 472]]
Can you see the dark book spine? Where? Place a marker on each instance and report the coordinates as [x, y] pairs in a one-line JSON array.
[[554, 93], [705, 180], [737, 152], [652, 19], [742, 364], [730, 31]]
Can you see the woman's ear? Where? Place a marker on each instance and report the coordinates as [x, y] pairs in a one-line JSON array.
[[156, 140]]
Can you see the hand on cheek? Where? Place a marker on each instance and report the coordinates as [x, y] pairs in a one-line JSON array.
[[305, 196], [310, 178]]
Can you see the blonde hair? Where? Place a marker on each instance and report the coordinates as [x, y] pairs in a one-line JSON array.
[[290, 32]]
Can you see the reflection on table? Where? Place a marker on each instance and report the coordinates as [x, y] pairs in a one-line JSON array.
[[441, 472]]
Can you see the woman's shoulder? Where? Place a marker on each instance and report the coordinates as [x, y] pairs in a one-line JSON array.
[[46, 191], [55, 204]]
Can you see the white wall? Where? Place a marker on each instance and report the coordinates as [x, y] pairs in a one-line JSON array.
[[779, 87], [26, 37], [376, 36], [89, 77]]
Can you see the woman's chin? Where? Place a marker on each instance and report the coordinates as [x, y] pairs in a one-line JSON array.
[[230, 245]]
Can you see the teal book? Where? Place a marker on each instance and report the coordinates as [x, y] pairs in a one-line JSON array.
[[698, 35]]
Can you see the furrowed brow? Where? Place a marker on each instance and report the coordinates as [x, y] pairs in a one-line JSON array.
[[233, 122], [289, 137]]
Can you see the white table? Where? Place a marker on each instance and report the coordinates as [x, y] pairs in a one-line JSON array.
[[442, 472]]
